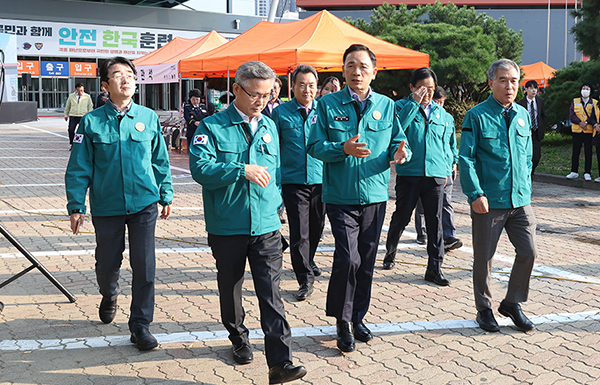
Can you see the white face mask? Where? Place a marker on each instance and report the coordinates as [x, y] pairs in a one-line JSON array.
[[585, 93]]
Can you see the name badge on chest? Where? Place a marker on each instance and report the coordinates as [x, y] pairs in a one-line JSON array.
[[341, 118]]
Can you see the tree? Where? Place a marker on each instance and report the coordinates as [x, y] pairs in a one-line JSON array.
[[587, 31], [462, 44]]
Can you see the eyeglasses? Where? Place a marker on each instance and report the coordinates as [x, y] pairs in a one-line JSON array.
[[255, 97], [120, 77]]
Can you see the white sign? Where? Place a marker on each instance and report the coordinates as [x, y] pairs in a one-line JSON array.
[[40, 38], [159, 73]]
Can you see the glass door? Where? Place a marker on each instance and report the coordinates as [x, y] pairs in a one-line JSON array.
[[55, 91]]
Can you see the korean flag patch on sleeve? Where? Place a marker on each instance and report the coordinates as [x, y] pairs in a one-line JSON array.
[[78, 138], [200, 139]]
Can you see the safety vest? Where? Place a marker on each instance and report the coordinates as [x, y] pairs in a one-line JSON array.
[[581, 114]]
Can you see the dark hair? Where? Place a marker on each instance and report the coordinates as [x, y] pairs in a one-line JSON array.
[[439, 93], [422, 73], [194, 93], [78, 85], [531, 83], [330, 79], [112, 61], [589, 85], [304, 69], [360, 47]]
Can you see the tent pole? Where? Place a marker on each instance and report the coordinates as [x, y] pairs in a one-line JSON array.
[[289, 85], [228, 103]]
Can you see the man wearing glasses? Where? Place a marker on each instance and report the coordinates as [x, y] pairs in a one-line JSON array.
[[119, 154], [301, 177], [234, 155]]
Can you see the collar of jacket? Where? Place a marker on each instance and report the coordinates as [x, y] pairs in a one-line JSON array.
[[112, 113], [236, 118], [498, 108], [301, 107]]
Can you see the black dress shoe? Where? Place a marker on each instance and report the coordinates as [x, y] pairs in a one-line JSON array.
[[388, 263], [305, 291], [486, 321], [513, 310], [108, 310], [316, 271], [362, 332], [242, 354], [452, 243], [142, 339], [436, 277], [421, 239], [285, 372], [345, 337]]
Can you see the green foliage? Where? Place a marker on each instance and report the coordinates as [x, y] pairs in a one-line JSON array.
[[458, 109], [587, 30], [564, 87], [461, 44]]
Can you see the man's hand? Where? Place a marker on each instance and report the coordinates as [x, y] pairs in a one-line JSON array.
[[76, 222], [356, 149], [480, 205], [583, 125], [197, 123], [66, 118], [401, 154], [166, 212], [420, 93], [597, 127], [454, 171], [258, 174]]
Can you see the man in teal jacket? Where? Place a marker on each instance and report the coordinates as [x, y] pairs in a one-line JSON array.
[[355, 185], [424, 176], [119, 155], [495, 174], [301, 177], [235, 157]]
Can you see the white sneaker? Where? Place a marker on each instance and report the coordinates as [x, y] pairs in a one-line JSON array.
[[573, 175], [587, 176], [597, 180]]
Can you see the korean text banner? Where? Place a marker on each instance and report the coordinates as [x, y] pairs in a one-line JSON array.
[[38, 38]]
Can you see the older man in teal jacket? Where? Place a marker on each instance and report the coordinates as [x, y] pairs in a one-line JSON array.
[[235, 157], [495, 174], [355, 186], [301, 177], [119, 155]]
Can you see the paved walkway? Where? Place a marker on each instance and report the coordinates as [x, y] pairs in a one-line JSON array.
[[424, 334]]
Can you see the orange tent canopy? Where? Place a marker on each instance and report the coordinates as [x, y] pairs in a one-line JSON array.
[[181, 48], [540, 72], [319, 40]]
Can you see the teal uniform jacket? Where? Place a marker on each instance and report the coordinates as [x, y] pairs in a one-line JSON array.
[[493, 160], [124, 165], [348, 180], [427, 140], [450, 141], [218, 156], [297, 167]]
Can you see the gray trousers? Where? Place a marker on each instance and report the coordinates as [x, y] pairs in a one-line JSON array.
[[520, 225], [110, 244]]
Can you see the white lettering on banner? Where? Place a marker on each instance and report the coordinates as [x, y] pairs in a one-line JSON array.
[[41, 38]]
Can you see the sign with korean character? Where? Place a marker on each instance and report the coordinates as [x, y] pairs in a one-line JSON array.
[[58, 39], [83, 69], [28, 67], [54, 68]]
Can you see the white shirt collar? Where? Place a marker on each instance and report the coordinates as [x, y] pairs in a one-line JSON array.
[[253, 123]]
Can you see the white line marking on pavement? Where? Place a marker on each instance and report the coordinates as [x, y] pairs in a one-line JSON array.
[[180, 169], [45, 131], [313, 331]]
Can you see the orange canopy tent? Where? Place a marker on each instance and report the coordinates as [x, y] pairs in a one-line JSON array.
[[162, 65], [319, 40], [540, 72]]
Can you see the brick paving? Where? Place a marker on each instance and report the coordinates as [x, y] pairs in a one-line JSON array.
[[424, 334]]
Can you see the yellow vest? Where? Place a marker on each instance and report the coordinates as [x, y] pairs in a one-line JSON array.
[[581, 114]]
